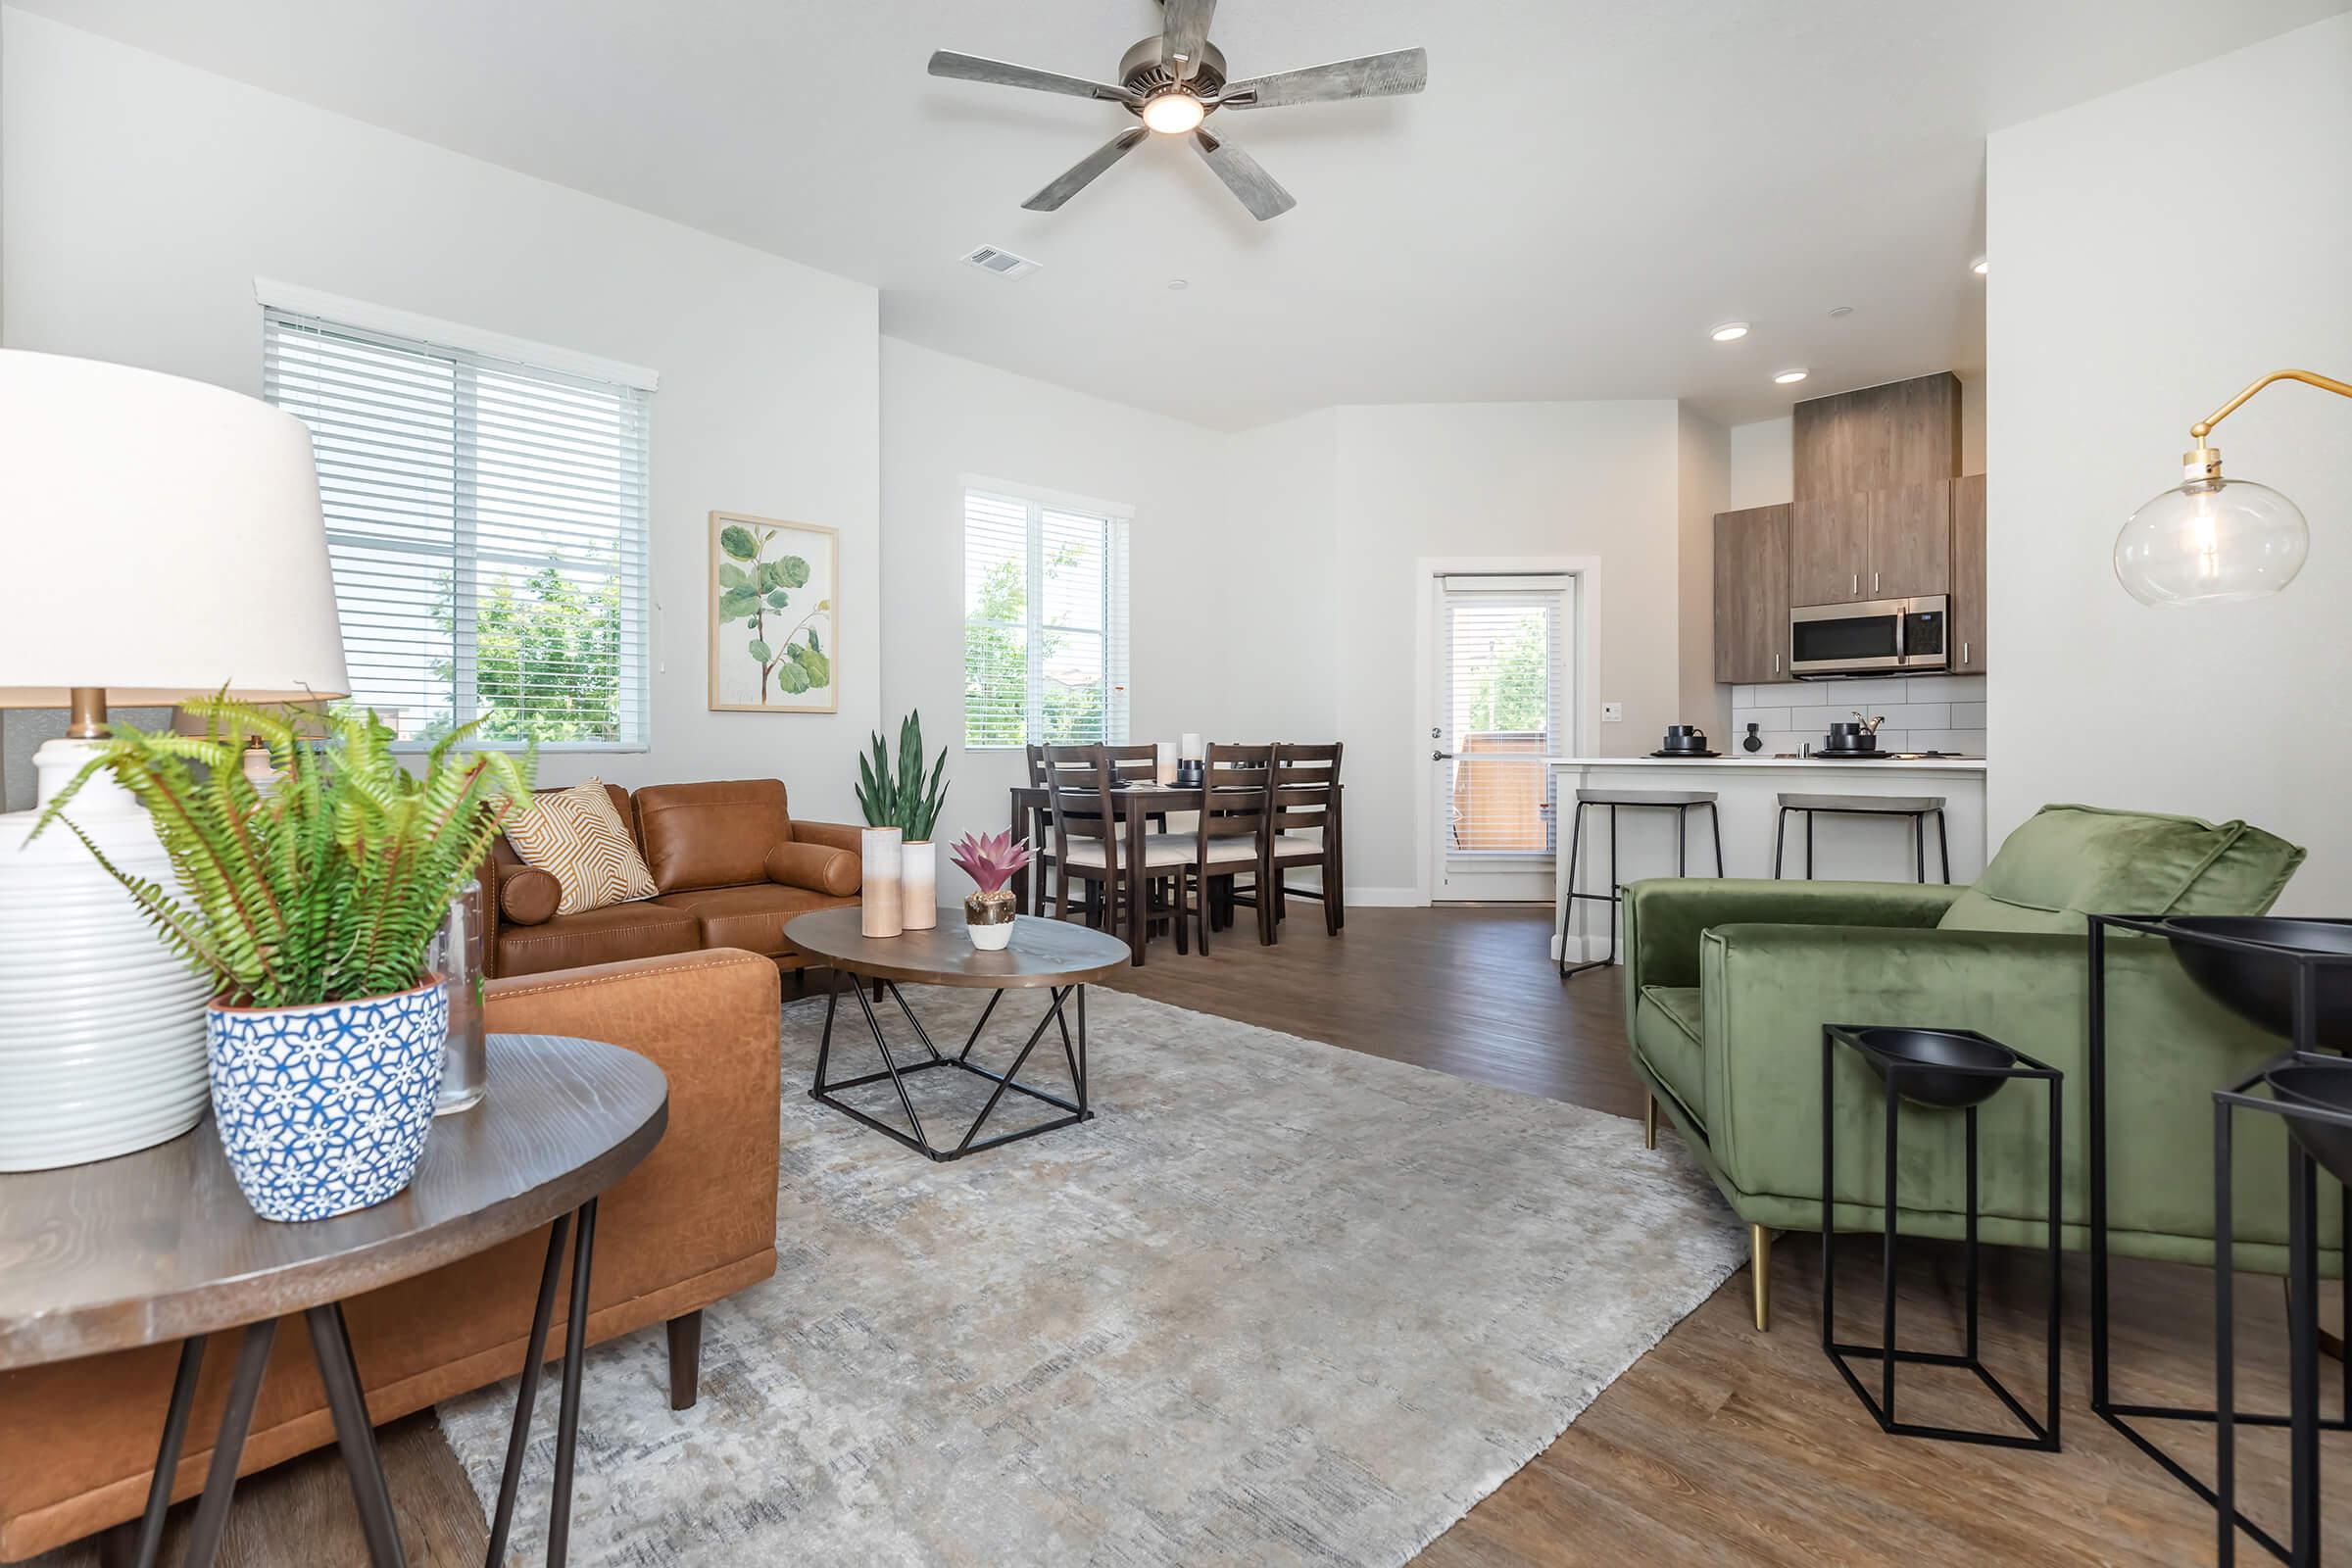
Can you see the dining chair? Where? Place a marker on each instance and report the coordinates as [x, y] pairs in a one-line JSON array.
[[1090, 842], [1232, 839], [1305, 800], [1041, 822]]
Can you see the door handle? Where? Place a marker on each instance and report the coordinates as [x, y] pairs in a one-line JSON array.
[[1964, 652], [1873, 582], [1775, 663], [1440, 756], [1857, 588]]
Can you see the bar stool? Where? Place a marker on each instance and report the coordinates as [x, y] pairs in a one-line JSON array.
[[1917, 807], [1679, 803]]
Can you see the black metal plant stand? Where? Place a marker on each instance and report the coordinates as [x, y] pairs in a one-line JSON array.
[[2302, 1218], [1949, 1083], [2303, 1421], [1057, 1016]]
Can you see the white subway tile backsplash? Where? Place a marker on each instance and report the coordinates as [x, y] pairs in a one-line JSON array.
[[1945, 688], [1768, 717], [1968, 715]]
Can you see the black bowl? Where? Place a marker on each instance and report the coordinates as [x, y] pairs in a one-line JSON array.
[[2303, 1083], [1920, 1053], [2260, 987]]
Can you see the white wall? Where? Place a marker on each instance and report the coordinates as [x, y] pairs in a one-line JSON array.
[[144, 197], [1763, 464], [1702, 488], [1492, 480], [2157, 249]]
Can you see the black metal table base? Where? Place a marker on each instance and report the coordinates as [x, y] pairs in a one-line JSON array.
[[2040, 1435], [2304, 1421], [331, 1344], [1073, 1049]]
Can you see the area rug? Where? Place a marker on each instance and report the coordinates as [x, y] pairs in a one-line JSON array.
[[1279, 1303]]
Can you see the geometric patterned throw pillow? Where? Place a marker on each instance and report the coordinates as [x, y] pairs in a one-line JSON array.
[[578, 837]]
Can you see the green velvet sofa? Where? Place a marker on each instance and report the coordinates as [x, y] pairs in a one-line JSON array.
[[1728, 982]]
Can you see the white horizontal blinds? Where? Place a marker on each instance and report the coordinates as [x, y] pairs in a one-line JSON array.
[[488, 524], [1045, 623], [1505, 685], [996, 620]]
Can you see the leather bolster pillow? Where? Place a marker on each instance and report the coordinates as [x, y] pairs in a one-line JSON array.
[[817, 867], [528, 896]]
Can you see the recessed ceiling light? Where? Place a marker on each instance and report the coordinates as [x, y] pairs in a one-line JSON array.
[[1982, 266], [1841, 311], [1178, 284], [1729, 332], [1789, 377]]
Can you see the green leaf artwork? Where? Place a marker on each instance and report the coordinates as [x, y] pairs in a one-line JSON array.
[[761, 565]]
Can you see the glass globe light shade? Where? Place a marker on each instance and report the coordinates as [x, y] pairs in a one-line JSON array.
[[2211, 540]]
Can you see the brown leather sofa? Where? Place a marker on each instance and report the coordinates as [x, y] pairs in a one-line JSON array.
[[730, 866], [695, 1222]]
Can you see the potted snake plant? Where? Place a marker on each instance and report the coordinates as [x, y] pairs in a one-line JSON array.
[[901, 886], [310, 902]]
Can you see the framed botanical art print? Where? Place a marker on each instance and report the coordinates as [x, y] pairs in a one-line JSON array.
[[773, 588]]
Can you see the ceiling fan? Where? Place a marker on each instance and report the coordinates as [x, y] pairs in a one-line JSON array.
[[1178, 79]]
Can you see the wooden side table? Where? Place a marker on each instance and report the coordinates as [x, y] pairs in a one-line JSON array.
[[1045, 955], [80, 1273]]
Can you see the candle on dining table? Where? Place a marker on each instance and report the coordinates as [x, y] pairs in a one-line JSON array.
[[1190, 750]]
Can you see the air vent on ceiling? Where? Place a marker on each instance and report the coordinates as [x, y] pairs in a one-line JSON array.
[[1003, 262]]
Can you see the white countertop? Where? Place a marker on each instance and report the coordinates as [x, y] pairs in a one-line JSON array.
[[1923, 764]]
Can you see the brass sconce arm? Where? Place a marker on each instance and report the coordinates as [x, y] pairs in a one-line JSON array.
[[2308, 377]]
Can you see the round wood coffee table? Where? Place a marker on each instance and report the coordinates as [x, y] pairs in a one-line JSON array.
[[162, 1246], [1045, 955]]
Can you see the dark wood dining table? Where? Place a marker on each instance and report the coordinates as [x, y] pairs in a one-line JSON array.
[[1132, 804]]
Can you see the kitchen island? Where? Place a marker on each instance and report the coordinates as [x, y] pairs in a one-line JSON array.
[[1748, 791]]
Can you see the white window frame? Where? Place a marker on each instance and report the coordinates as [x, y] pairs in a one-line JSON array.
[[1119, 520], [633, 700]]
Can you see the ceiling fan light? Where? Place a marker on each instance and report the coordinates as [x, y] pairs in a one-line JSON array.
[[1173, 113]]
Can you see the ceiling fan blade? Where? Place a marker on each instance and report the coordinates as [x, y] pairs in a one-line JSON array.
[[1401, 70], [1082, 173], [1244, 177], [1004, 74], [1187, 30]]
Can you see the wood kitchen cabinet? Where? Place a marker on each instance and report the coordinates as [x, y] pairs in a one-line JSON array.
[[1968, 575], [1910, 541], [1886, 544], [1829, 550], [1752, 595]]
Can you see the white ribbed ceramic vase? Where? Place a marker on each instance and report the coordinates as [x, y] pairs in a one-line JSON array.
[[882, 854], [919, 884], [101, 1025]]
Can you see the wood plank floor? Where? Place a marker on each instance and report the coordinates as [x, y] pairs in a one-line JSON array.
[[1722, 1445]]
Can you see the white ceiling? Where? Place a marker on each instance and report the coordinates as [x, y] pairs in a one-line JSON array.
[[1585, 187]]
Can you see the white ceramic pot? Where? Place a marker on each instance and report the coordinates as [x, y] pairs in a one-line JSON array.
[[101, 1025], [323, 1110], [919, 884], [881, 853]]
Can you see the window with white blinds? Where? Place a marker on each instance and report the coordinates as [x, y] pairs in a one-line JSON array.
[[1502, 665], [487, 523], [1045, 621]]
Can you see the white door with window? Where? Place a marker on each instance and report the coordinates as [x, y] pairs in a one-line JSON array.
[[1505, 703]]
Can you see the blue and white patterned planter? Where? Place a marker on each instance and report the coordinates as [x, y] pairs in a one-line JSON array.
[[323, 1110]]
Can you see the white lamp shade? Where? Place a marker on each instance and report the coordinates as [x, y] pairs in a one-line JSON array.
[[163, 540]]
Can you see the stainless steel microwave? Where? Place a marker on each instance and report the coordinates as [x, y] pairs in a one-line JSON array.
[[1875, 637]]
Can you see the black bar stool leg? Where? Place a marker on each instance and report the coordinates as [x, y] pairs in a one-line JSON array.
[[1682, 817], [1576, 833], [1944, 849], [1808, 846], [1779, 841], [1919, 843], [1613, 863], [1715, 818]]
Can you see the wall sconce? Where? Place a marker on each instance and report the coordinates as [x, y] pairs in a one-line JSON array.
[[2211, 539]]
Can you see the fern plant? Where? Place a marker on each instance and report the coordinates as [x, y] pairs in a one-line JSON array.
[[328, 887], [902, 799]]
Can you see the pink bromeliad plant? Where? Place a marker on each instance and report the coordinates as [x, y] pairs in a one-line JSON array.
[[990, 859]]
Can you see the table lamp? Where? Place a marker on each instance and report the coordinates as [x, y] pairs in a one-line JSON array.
[[2209, 539], [165, 542]]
